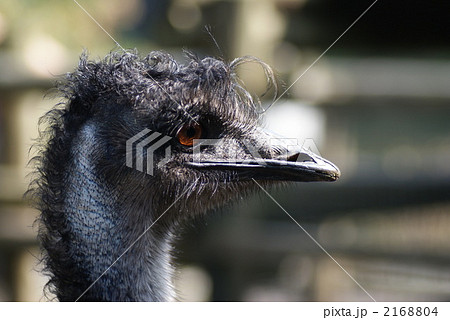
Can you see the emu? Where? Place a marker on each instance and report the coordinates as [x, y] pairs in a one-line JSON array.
[[107, 229]]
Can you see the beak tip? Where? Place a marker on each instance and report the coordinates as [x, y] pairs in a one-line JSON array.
[[337, 174], [330, 171]]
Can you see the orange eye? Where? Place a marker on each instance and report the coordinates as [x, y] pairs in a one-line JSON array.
[[188, 133]]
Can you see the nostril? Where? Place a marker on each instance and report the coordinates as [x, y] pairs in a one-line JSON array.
[[293, 157], [300, 157]]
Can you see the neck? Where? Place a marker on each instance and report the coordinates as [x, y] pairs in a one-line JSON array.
[[102, 229]]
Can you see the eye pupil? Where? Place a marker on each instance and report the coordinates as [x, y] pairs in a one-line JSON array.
[[190, 132]]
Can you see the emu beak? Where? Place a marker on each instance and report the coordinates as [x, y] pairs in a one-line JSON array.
[[297, 165]]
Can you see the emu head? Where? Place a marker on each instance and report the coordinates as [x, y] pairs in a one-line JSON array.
[[211, 144]]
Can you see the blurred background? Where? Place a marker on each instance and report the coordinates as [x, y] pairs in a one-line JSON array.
[[377, 104]]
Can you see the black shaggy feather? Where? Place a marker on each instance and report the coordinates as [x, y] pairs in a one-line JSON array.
[[93, 207]]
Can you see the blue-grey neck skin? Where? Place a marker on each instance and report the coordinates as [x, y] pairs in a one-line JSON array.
[[100, 232]]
